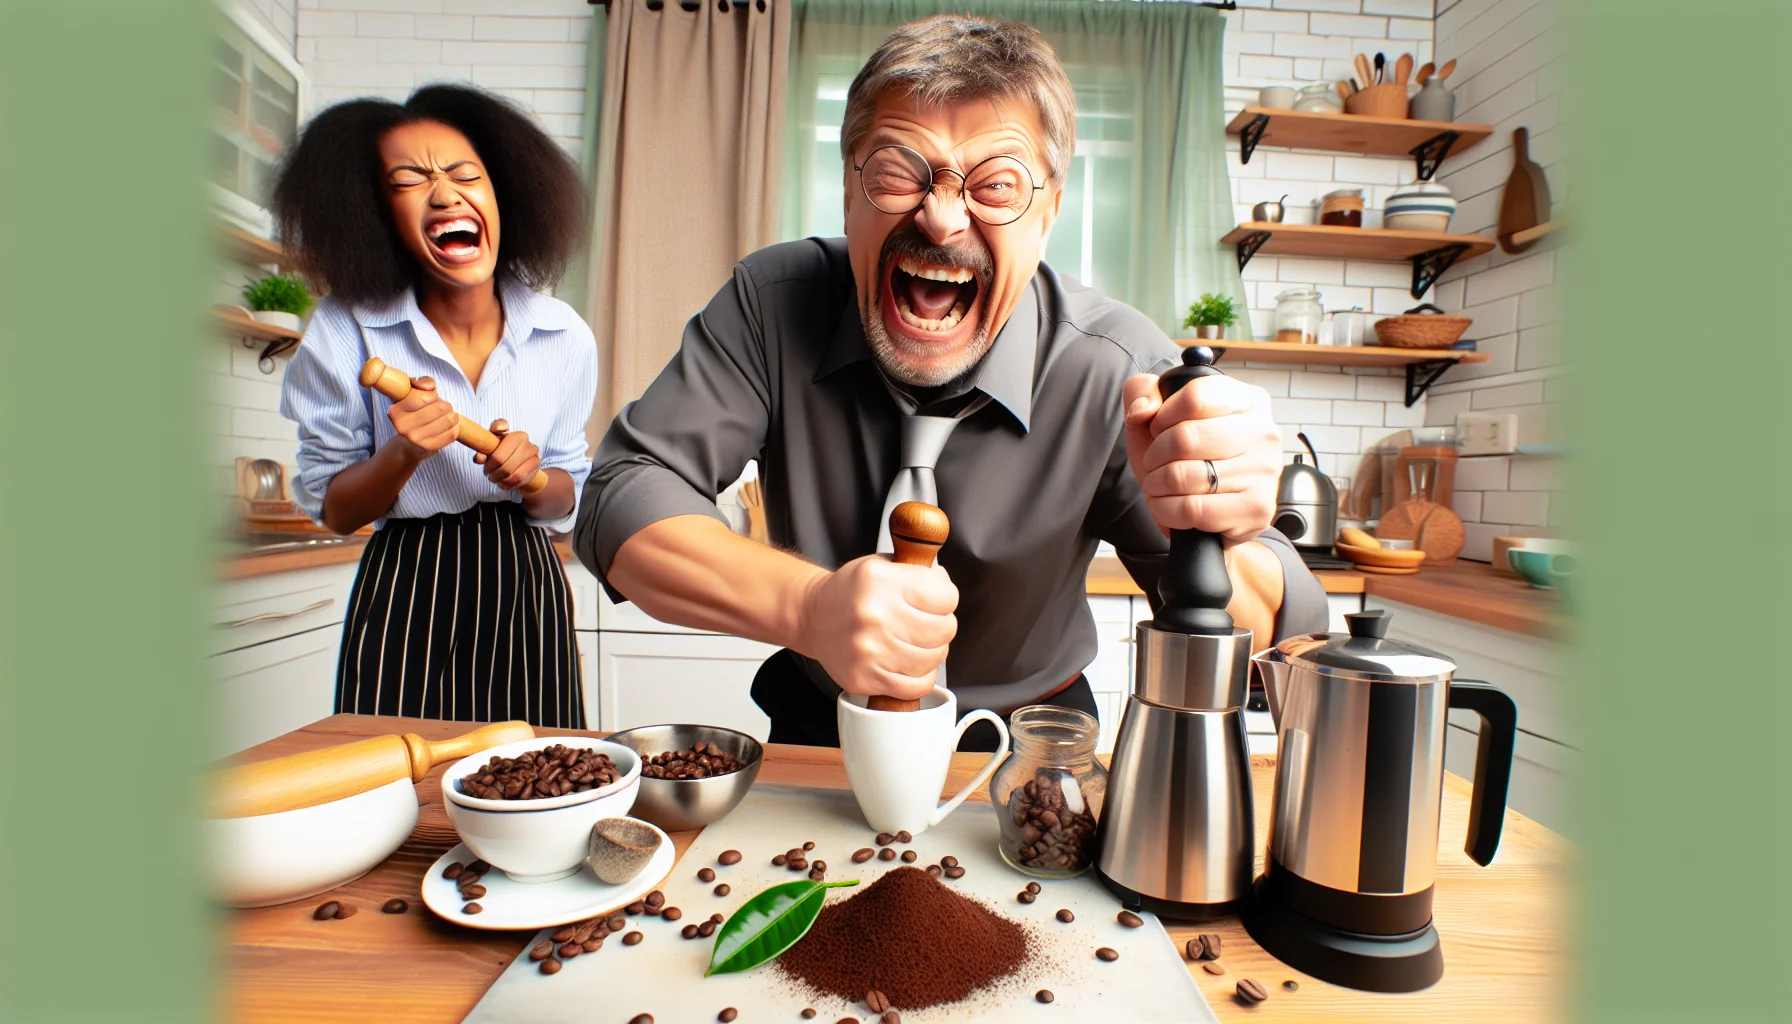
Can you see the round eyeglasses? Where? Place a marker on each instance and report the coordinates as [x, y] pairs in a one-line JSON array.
[[897, 180]]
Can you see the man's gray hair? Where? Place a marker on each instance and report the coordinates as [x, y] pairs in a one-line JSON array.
[[949, 58]]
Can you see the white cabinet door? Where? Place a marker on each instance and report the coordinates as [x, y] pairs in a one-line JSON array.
[[654, 678], [585, 594], [1339, 605], [590, 677], [1110, 674], [273, 688], [262, 608]]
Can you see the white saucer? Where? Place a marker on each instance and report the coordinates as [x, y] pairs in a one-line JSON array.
[[518, 906]]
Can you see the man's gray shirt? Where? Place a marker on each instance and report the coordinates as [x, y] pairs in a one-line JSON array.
[[776, 368]]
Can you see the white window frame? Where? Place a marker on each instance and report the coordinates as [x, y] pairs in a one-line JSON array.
[[232, 207]]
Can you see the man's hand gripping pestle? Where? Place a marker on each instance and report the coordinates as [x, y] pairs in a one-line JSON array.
[[917, 531]]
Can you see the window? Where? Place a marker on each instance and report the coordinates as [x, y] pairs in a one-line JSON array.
[[257, 92]]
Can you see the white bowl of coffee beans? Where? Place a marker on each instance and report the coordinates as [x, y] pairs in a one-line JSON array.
[[527, 807]]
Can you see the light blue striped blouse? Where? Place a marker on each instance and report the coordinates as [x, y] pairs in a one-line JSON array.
[[542, 378]]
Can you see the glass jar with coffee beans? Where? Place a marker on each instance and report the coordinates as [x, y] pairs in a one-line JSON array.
[[1048, 792]]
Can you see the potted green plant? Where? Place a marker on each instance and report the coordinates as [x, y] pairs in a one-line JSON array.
[[1211, 315], [278, 299]]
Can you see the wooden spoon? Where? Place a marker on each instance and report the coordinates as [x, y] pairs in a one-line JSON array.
[[1344, 90], [1403, 68], [1444, 72], [1425, 72], [1362, 70], [918, 531]]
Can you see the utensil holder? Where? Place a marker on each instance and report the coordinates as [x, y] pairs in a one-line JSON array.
[[1385, 100]]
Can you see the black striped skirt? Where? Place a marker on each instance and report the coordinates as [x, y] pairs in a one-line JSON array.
[[465, 617]]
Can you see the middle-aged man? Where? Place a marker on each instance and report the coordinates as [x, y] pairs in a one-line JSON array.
[[930, 354]]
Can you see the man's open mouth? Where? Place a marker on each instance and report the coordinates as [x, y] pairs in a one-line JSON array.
[[455, 239], [931, 298]]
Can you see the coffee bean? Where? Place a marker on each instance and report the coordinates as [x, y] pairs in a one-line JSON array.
[[948, 861], [1107, 953], [1033, 887], [808, 845], [706, 875], [707, 928], [326, 911], [472, 892], [689, 931], [1066, 916], [347, 910], [394, 906], [568, 950], [1291, 985], [1251, 991], [779, 861], [699, 761], [1128, 919], [808, 1013], [890, 1017], [886, 854], [861, 856], [1213, 967], [592, 945], [727, 1015], [636, 908], [1041, 831], [553, 771], [632, 939], [655, 900], [472, 908], [817, 875], [796, 853], [909, 856], [1044, 995], [453, 870], [729, 857], [1024, 896], [1210, 945], [904, 837], [847, 1020], [820, 865], [542, 950], [550, 967], [954, 872], [1192, 949], [479, 867], [723, 889], [641, 1018], [717, 918], [934, 870], [565, 934], [876, 1001], [617, 923], [797, 864], [671, 913], [884, 838]]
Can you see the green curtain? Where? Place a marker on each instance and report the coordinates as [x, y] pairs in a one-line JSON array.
[[574, 287], [1147, 198]]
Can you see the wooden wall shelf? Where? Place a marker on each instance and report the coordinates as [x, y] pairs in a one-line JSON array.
[[1427, 142], [244, 247], [234, 323], [1431, 252], [1423, 365]]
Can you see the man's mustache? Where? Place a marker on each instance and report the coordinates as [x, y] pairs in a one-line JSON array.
[[909, 242]]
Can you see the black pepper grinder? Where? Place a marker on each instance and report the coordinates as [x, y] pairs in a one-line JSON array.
[[1195, 587]]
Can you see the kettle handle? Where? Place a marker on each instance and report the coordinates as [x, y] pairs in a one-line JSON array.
[[1493, 762]]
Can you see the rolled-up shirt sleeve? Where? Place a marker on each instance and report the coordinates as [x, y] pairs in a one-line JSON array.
[[323, 395], [670, 452], [566, 447]]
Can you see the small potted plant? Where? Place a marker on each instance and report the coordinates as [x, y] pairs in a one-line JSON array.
[[1211, 315], [278, 299]]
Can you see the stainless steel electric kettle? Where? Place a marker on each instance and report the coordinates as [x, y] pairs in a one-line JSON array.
[[1345, 893]]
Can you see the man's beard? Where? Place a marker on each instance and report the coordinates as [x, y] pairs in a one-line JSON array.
[[901, 358]]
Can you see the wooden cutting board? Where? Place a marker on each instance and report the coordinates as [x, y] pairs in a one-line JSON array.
[[1525, 203], [1432, 528], [663, 974]]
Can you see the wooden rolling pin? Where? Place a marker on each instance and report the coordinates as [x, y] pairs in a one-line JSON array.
[[320, 776], [395, 385], [918, 531]]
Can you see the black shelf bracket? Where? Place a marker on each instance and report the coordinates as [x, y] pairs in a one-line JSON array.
[[1427, 267], [1420, 376], [1250, 135], [1430, 153], [1248, 246], [276, 347]]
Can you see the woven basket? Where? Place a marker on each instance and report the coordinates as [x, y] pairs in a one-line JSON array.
[[1417, 328]]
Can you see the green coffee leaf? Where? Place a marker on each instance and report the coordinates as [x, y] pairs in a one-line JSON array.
[[767, 925]]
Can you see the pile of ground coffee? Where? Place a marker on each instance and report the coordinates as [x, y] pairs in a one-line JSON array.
[[909, 937]]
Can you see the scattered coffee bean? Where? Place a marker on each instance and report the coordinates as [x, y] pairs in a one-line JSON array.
[[699, 761], [886, 854], [876, 1001], [808, 1013], [707, 928], [904, 837], [550, 966], [820, 865], [636, 908], [910, 856], [817, 875], [779, 861], [479, 867], [1066, 916], [861, 856], [885, 838], [453, 870], [472, 892], [797, 864], [1024, 896], [654, 901], [542, 950], [326, 911], [723, 889], [1128, 919], [1107, 953], [565, 934], [472, 908], [727, 1016], [1213, 967], [1192, 950], [934, 870], [632, 939], [948, 861], [796, 853], [729, 857], [1291, 985], [347, 910], [717, 918], [553, 771], [954, 872], [617, 923], [1033, 887], [847, 1020], [592, 945], [671, 913], [706, 875], [808, 844], [689, 931], [1044, 995], [1210, 945], [568, 950], [890, 1017], [1041, 831], [1251, 991], [641, 1018], [394, 906]]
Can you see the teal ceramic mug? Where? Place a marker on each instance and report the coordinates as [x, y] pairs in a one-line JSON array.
[[1544, 569]]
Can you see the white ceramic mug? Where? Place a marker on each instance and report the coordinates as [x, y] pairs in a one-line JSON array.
[[897, 760]]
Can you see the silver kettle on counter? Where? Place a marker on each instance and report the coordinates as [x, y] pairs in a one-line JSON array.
[[1345, 893], [1307, 503]]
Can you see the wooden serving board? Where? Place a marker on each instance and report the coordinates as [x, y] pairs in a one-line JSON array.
[[663, 975]]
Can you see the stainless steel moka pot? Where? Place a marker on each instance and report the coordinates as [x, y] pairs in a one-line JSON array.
[[1176, 828], [1346, 888], [1307, 503]]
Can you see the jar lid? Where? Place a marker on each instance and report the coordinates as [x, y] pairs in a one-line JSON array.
[[1343, 192], [1305, 291], [1366, 651]]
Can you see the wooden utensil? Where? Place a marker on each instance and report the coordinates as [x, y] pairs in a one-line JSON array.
[[1425, 72], [1363, 72], [394, 384], [918, 531], [1403, 68], [1432, 528], [320, 776], [1449, 66], [1344, 90], [1525, 203]]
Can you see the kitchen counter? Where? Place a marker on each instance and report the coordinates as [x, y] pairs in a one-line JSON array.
[[312, 550], [1108, 576], [1503, 934]]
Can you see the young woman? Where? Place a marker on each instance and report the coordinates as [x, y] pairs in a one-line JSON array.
[[432, 224]]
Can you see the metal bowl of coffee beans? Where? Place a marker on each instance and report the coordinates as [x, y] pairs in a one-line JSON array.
[[691, 775]]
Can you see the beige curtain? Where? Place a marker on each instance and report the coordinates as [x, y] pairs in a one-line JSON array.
[[685, 177]]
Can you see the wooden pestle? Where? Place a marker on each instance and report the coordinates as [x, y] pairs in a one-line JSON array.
[[320, 776], [918, 531], [395, 385]]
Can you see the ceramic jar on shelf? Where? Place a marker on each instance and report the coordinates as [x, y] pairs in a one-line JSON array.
[[1048, 793], [1298, 315]]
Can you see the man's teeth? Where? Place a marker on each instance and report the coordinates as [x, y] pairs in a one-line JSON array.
[[441, 228], [945, 323], [933, 273]]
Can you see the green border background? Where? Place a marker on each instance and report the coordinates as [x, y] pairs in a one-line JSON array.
[[1677, 292]]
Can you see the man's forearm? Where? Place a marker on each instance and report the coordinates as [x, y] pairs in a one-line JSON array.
[[693, 571]]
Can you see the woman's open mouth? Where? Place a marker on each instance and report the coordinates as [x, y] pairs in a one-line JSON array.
[[932, 303], [455, 240]]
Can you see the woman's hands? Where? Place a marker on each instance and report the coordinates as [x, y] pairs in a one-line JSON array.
[[425, 423], [514, 462]]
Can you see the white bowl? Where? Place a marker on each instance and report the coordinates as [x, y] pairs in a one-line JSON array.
[[1397, 221], [266, 859], [538, 840], [1276, 97]]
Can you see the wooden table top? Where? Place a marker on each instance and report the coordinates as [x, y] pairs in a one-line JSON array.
[[1502, 926]]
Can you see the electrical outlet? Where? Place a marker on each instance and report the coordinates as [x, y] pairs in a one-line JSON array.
[[1487, 433]]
